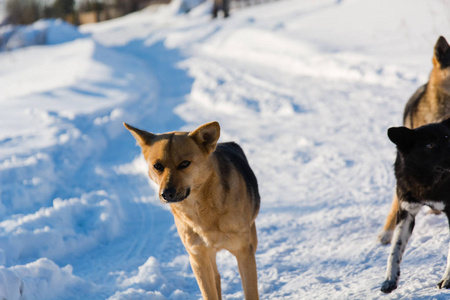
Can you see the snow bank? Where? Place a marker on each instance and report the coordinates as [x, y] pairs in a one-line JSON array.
[[137, 294], [41, 279], [148, 283], [68, 227], [42, 32]]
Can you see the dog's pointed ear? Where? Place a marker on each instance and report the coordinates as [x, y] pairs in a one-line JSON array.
[[441, 52], [401, 136], [206, 136], [142, 137]]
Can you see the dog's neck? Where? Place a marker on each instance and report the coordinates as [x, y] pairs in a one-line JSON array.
[[418, 185], [438, 97]]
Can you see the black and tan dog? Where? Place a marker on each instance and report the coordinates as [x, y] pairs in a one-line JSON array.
[[422, 170], [214, 198], [429, 104]]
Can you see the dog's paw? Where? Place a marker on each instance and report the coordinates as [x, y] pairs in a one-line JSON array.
[[385, 237], [444, 284], [388, 286]]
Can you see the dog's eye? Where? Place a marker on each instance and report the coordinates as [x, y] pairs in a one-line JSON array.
[[184, 164], [159, 167], [431, 146]]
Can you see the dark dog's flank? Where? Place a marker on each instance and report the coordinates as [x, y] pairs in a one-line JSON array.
[[422, 170]]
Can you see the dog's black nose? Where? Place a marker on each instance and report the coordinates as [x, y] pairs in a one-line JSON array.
[[169, 194]]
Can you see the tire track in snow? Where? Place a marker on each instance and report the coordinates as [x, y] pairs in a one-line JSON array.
[[147, 228]]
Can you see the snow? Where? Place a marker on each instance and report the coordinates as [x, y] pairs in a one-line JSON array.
[[48, 32], [307, 88]]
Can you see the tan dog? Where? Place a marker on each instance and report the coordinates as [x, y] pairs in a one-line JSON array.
[[214, 198], [429, 104]]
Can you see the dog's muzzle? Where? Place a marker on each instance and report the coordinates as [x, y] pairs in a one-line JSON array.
[[170, 195]]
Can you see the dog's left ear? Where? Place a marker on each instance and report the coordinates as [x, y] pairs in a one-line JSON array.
[[402, 137], [441, 52], [142, 137], [206, 136]]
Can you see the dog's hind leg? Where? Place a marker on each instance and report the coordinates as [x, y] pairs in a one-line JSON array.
[[385, 236], [401, 236], [247, 267], [445, 281]]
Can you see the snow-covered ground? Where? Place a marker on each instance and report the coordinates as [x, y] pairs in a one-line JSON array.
[[307, 88]]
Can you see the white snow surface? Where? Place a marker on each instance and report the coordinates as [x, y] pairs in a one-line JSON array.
[[307, 88]]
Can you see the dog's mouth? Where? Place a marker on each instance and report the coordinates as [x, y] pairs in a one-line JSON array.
[[165, 198]]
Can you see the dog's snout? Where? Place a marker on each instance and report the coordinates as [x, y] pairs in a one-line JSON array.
[[169, 194]]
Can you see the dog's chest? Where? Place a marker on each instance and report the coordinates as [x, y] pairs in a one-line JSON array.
[[212, 230], [436, 205]]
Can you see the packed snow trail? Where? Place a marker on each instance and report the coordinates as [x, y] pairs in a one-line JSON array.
[[309, 101]]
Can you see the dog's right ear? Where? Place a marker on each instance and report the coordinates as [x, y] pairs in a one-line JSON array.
[[441, 56], [402, 137], [142, 137]]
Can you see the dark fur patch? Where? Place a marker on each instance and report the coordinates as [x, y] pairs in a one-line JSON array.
[[228, 154], [403, 214], [442, 52], [422, 170]]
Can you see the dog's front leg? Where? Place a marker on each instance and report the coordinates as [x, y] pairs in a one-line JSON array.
[[205, 271], [202, 259], [212, 258], [401, 236], [445, 281]]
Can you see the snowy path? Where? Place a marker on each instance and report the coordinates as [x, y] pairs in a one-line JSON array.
[[309, 107]]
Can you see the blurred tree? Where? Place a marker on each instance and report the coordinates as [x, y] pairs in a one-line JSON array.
[[23, 11], [63, 7], [59, 9]]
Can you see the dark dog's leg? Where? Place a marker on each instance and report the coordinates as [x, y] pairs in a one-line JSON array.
[[215, 10], [401, 236], [226, 8], [445, 281]]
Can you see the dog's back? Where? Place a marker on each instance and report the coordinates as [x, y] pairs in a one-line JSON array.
[[231, 154]]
